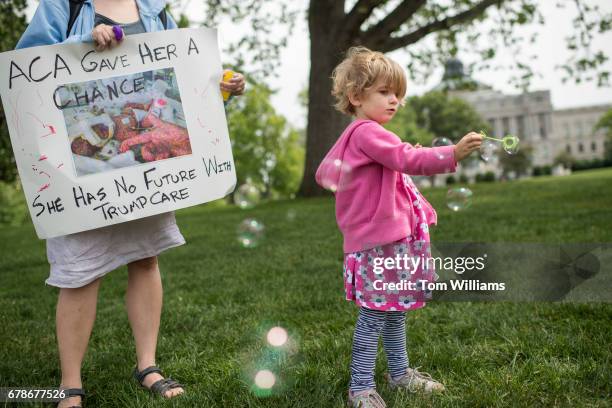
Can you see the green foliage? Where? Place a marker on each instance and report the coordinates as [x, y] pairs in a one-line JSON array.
[[591, 164], [259, 50], [13, 22], [481, 39], [285, 175], [435, 114], [446, 116], [405, 125], [183, 21], [565, 159], [542, 171], [267, 150], [479, 27], [13, 208], [12, 25], [487, 177], [605, 123], [585, 61]]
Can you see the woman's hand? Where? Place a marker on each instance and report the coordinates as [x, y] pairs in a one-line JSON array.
[[235, 85], [104, 37], [467, 145]]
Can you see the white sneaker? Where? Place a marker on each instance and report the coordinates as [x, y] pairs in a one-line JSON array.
[[366, 399], [415, 381]]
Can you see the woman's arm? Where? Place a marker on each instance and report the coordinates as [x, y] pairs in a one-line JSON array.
[[45, 28], [48, 26]]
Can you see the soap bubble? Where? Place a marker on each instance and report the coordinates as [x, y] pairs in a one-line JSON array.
[[487, 150], [265, 379], [510, 144], [277, 336], [459, 198], [250, 232], [246, 196], [586, 266], [291, 214], [441, 141], [267, 367], [336, 174]]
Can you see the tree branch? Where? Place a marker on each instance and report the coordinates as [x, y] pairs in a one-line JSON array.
[[390, 44], [393, 21], [360, 12]]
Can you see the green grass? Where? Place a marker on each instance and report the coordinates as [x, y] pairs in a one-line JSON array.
[[220, 298]]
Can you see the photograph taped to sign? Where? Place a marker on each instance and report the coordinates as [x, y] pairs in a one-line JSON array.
[[101, 138], [124, 121]]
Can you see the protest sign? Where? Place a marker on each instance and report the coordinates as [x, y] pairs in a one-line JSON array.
[[107, 137]]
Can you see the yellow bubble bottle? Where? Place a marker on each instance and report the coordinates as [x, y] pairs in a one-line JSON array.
[[227, 75]]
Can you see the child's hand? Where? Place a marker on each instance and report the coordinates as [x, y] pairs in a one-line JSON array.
[[235, 85], [418, 145], [467, 145]]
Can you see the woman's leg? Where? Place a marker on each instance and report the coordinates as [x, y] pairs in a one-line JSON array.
[[365, 344], [144, 306], [75, 316], [394, 342]]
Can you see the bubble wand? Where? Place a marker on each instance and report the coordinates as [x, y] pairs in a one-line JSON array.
[[509, 142]]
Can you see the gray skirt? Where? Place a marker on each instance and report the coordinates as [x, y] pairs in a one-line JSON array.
[[78, 259]]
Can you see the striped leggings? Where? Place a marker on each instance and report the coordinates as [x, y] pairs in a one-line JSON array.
[[370, 324]]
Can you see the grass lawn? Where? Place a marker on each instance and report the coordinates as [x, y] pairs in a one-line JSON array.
[[220, 299]]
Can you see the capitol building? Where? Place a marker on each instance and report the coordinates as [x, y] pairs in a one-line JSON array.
[[532, 117]]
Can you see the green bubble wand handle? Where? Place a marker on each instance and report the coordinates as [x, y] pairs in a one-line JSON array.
[[483, 134], [508, 141], [493, 138]]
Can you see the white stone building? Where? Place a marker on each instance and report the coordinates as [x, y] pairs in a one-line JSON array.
[[528, 116], [532, 118], [574, 131]]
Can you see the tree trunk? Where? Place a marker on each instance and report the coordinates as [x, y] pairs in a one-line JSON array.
[[332, 32], [325, 124]]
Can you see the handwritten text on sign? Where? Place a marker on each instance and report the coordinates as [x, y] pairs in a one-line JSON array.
[[103, 138]]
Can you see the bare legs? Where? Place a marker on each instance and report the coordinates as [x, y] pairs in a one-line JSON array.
[[76, 313], [144, 305], [75, 316]]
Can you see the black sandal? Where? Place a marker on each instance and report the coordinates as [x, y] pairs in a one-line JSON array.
[[74, 392], [158, 387]]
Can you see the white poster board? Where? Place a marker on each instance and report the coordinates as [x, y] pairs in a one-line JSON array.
[[109, 137]]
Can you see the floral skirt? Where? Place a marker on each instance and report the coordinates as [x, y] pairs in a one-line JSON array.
[[390, 277]]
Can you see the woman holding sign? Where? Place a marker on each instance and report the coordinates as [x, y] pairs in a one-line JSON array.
[[79, 261]]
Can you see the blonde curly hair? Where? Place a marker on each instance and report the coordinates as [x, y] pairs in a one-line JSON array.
[[359, 71]]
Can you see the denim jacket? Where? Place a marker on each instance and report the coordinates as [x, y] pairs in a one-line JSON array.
[[49, 24]]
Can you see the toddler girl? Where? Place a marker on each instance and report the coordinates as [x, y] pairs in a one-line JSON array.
[[383, 218]]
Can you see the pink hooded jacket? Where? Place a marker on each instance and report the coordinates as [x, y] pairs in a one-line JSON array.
[[365, 168]]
